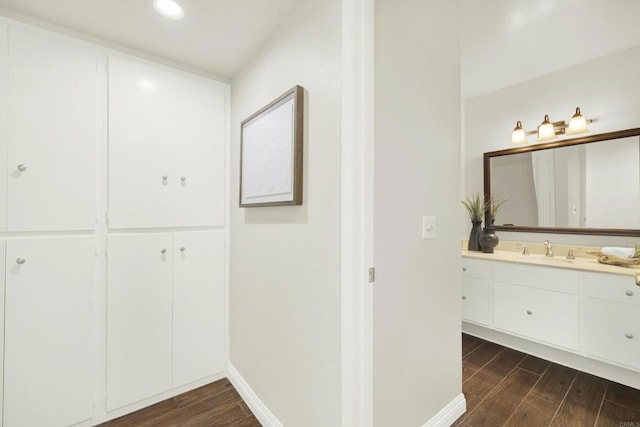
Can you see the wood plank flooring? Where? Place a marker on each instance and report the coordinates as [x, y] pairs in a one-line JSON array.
[[504, 387], [214, 405]]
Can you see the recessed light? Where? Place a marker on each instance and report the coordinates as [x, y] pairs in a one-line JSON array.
[[168, 8]]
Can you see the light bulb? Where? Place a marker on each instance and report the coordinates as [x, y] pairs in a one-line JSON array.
[[546, 130], [577, 124], [518, 136], [169, 9]]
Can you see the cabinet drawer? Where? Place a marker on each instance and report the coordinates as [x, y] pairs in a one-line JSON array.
[[552, 279], [476, 268], [613, 288], [613, 332], [475, 300], [551, 317]]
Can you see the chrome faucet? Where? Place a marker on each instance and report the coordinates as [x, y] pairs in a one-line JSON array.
[[549, 250]]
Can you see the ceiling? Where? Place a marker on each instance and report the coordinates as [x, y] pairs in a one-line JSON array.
[[216, 37], [505, 42]]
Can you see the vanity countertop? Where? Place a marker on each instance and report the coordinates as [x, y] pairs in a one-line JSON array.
[[558, 261]]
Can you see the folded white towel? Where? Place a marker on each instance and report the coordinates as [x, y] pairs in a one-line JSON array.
[[619, 252]]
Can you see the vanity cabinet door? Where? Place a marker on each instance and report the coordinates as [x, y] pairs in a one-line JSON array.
[[612, 332], [550, 317], [49, 337], [52, 130], [4, 89], [476, 300], [198, 305], [139, 310]]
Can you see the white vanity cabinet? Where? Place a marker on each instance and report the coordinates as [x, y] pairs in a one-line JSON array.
[[612, 319], [166, 148], [578, 316], [49, 347], [51, 106], [165, 319], [476, 291]]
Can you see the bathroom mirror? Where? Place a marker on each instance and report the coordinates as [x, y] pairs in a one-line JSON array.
[[585, 185]]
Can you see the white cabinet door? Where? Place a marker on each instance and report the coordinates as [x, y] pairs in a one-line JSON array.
[[198, 306], [140, 145], [475, 300], [139, 307], [4, 89], [53, 100], [49, 339], [2, 294], [199, 152], [612, 332], [551, 317]]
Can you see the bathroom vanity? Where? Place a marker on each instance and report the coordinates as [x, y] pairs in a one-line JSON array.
[[577, 313]]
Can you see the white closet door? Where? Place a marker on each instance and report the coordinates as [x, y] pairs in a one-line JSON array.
[[3, 125], [52, 134], [49, 337], [139, 304], [199, 149], [140, 145], [198, 305]]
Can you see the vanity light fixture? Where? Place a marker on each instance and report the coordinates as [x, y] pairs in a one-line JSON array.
[[548, 130], [169, 9]]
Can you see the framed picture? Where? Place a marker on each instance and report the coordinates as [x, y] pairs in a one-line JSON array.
[[271, 153]]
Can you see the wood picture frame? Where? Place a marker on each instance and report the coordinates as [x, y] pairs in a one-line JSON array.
[[271, 146]]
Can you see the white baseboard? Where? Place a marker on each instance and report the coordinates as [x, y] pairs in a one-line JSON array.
[[449, 414], [259, 409]]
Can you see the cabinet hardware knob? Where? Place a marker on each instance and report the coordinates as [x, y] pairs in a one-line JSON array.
[[183, 179], [629, 336], [463, 297], [629, 293], [165, 177], [182, 249], [464, 269], [163, 251], [22, 168], [21, 260], [529, 312]]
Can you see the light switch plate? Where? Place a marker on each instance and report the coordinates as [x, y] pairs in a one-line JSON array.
[[428, 227]]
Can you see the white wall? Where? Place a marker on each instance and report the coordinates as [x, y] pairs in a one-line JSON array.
[[285, 261], [417, 360], [607, 89]]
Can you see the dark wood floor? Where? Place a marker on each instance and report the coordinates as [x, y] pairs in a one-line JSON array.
[[215, 405], [504, 387]]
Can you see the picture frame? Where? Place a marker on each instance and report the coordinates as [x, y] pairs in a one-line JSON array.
[[271, 148]]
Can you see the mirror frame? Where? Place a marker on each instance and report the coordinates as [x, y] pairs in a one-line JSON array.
[[546, 146]]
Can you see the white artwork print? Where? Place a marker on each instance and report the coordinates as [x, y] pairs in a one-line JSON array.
[[267, 156]]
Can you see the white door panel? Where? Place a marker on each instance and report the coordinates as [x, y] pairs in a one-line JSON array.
[[3, 125], [49, 347], [198, 306], [52, 133], [140, 145], [139, 325], [199, 152]]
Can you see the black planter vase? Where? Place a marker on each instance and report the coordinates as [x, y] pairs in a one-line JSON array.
[[488, 239], [474, 237]]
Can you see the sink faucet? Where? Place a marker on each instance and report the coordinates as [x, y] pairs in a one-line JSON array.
[[549, 250]]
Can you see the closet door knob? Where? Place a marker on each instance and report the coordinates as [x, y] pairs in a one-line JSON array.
[[464, 269], [629, 336], [165, 177], [629, 293], [182, 249], [183, 179], [463, 297], [22, 168], [163, 251], [529, 312], [21, 260]]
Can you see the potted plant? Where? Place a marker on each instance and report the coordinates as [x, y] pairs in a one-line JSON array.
[[488, 239], [475, 208]]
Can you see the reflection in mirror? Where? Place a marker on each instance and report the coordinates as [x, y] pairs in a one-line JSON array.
[[567, 185]]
